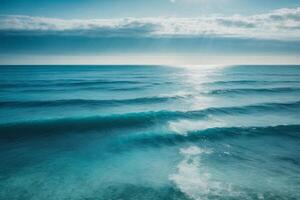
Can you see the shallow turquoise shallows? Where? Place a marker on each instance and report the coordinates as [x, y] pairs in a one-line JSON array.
[[149, 132]]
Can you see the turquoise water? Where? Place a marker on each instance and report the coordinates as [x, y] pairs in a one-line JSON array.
[[149, 132]]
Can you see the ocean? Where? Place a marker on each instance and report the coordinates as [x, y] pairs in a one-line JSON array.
[[149, 132]]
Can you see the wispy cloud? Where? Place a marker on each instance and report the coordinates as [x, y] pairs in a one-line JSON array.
[[282, 24]]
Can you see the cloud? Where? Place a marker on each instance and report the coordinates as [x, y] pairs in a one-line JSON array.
[[282, 24], [95, 27], [236, 23]]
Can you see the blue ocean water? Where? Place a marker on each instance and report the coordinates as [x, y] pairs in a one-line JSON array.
[[149, 132]]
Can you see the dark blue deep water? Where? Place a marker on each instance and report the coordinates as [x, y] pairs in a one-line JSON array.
[[149, 132]]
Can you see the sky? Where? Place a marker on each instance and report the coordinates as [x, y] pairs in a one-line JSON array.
[[149, 32]]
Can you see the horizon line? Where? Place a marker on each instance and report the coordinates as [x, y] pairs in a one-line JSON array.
[[131, 59]]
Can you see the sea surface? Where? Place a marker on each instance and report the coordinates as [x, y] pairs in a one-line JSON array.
[[149, 132]]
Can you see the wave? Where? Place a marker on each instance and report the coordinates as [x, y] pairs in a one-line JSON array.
[[134, 101], [85, 102], [247, 82], [132, 120], [69, 82], [129, 88], [214, 134], [279, 74], [81, 88], [75, 83], [253, 91]]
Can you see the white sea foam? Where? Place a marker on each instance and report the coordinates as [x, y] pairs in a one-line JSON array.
[[193, 179], [192, 150], [184, 126]]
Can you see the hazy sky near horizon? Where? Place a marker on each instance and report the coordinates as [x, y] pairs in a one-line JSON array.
[[175, 28]]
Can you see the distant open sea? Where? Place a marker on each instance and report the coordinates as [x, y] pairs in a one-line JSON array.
[[149, 132]]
